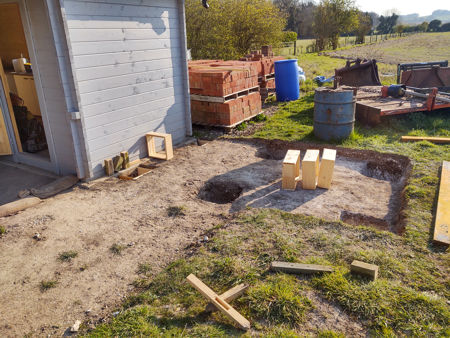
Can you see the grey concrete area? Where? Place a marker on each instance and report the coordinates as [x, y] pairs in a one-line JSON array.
[[14, 178]]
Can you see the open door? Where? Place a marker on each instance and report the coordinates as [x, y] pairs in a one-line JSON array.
[[5, 146]]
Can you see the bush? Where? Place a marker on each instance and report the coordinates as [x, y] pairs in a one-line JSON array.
[[229, 28], [289, 36]]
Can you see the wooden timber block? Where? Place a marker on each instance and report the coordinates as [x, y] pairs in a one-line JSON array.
[[228, 296], [326, 168], [442, 224], [366, 269], [299, 268], [109, 167], [218, 302], [291, 170], [310, 169], [168, 155], [117, 163], [125, 159]]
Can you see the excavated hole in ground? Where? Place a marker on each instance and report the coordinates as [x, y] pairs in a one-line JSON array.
[[367, 189]]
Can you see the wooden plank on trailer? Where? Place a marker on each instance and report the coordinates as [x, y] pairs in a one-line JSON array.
[[326, 168], [299, 268], [228, 296], [218, 302], [438, 140], [442, 224], [310, 169]]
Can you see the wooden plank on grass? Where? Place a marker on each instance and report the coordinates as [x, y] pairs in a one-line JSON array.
[[299, 268], [218, 302], [228, 296], [441, 226], [438, 140]]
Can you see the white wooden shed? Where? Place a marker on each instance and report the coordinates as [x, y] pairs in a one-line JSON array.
[[104, 73]]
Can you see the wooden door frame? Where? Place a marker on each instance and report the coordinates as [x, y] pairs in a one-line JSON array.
[[18, 155]]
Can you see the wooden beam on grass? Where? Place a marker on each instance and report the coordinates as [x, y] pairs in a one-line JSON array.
[[441, 226], [218, 302], [297, 268], [228, 296], [437, 140]]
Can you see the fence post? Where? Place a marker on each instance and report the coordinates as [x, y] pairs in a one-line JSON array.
[[295, 47]]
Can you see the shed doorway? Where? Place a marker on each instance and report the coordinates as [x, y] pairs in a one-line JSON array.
[[23, 131]]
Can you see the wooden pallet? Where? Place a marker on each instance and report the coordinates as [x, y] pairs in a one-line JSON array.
[[226, 127], [225, 99]]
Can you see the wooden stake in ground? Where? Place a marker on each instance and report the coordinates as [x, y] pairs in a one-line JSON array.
[[109, 167], [291, 170], [218, 302], [441, 226], [310, 169], [228, 296]]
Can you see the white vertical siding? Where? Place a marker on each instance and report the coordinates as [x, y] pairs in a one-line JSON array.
[[52, 86], [127, 60]]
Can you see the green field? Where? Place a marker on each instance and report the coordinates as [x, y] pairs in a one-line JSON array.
[[411, 297], [421, 47]]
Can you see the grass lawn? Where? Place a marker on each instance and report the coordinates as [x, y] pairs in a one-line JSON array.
[[411, 296]]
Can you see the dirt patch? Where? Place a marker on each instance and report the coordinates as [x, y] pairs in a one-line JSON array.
[[133, 215]]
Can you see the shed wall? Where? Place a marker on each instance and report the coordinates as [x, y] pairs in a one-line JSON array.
[[128, 63]]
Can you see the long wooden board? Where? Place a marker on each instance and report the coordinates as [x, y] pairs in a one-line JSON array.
[[297, 268], [441, 227], [439, 140], [218, 302]]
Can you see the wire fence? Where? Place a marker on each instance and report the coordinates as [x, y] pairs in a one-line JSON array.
[[309, 45]]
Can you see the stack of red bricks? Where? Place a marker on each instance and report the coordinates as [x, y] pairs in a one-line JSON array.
[[223, 91], [266, 68]]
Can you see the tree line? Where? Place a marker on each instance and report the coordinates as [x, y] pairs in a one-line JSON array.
[[229, 29]]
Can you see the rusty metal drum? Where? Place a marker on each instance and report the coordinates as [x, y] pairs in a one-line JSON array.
[[334, 113]]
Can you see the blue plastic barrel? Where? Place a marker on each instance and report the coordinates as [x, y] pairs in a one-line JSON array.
[[334, 113], [287, 80]]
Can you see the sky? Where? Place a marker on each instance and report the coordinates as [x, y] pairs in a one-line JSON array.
[[403, 6]]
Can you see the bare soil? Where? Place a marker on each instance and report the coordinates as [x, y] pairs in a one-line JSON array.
[[208, 181]]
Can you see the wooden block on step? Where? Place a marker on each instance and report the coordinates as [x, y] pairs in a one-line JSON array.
[[326, 168], [299, 268], [109, 167], [310, 169], [228, 296], [218, 302], [441, 233], [117, 163], [291, 170], [365, 269], [125, 159]]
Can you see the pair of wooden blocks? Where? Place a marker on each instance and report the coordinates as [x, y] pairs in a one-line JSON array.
[[314, 172]]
